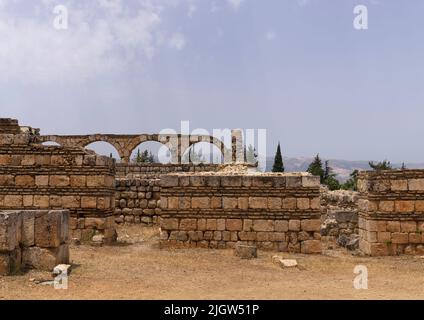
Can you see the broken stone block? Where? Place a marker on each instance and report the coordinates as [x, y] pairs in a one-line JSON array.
[[245, 251], [47, 229], [287, 263], [28, 221], [45, 259], [10, 262], [311, 246], [9, 230]]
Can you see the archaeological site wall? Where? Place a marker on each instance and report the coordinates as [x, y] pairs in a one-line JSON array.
[[391, 212], [155, 170], [137, 200], [33, 239], [216, 210], [33, 176], [339, 218]]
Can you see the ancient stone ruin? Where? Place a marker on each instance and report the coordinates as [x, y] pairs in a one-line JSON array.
[[51, 194]]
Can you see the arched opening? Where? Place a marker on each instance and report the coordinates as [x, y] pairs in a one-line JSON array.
[[151, 152], [51, 144], [203, 152], [104, 149]]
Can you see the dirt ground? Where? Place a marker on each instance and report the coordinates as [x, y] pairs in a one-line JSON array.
[[138, 269]]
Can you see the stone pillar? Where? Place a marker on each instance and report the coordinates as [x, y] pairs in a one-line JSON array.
[[237, 146]]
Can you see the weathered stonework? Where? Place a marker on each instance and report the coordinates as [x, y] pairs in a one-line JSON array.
[[217, 210], [391, 212], [339, 218], [33, 176], [137, 200], [33, 239]]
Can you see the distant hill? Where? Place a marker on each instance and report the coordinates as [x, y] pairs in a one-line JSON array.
[[341, 167]]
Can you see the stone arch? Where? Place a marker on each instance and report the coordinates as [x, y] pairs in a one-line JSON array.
[[103, 148], [220, 145], [213, 155], [160, 155]]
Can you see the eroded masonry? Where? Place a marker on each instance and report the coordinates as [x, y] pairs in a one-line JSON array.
[[195, 205]]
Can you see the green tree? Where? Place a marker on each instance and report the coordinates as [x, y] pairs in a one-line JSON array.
[[329, 178], [315, 168], [352, 182], [278, 161], [383, 165], [144, 157]]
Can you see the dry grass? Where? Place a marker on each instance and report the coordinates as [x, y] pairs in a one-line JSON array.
[[138, 269]]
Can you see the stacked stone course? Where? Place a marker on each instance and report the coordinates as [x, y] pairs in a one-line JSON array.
[[155, 170], [33, 176], [33, 239], [137, 200], [391, 212], [217, 210]]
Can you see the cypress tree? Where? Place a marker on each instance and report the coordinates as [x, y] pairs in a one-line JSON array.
[[278, 161]]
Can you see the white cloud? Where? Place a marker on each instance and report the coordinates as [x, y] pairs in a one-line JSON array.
[[177, 41], [235, 3], [191, 10], [103, 37]]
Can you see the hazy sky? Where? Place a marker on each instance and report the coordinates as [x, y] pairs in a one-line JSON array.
[[297, 68]]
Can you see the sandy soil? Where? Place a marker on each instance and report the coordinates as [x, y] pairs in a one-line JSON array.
[[138, 269]]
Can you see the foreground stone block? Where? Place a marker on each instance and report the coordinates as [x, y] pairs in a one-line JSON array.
[[9, 231], [45, 259]]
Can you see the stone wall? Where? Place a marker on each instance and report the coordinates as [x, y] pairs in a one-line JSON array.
[[339, 217], [155, 170], [391, 212], [216, 210], [137, 200], [33, 239], [33, 176]]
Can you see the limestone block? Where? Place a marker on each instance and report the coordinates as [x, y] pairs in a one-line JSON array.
[[399, 185], [169, 224], [400, 238], [47, 229], [229, 202], [169, 181], [408, 226], [200, 202], [263, 225], [24, 181], [386, 206], [310, 181], [258, 202], [45, 258], [274, 203], [188, 224], [289, 203], [10, 262], [245, 251], [88, 202], [9, 230], [59, 181], [231, 181], [294, 225], [28, 227], [393, 226], [311, 225], [402, 206], [281, 225], [311, 246], [416, 184], [234, 224]]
